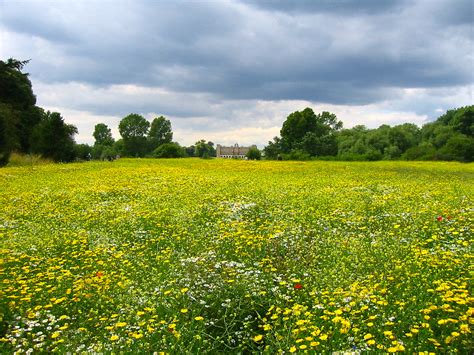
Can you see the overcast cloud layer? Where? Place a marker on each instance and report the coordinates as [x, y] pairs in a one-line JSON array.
[[231, 71]]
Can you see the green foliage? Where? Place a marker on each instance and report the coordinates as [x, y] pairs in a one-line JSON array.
[[447, 138], [273, 149], [203, 149], [458, 147], [190, 151], [15, 87], [254, 154], [133, 129], [25, 127], [307, 132], [169, 150], [83, 151], [8, 117], [296, 154], [160, 133], [299, 125], [54, 139], [423, 151], [103, 135]]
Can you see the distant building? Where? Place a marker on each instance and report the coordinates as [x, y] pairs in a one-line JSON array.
[[234, 152]]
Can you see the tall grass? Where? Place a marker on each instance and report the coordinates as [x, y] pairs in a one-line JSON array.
[[18, 159]]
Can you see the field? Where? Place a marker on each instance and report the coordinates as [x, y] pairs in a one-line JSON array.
[[213, 256]]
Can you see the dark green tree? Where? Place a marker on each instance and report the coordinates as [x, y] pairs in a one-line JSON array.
[[273, 149], [83, 151], [103, 135], [53, 138], [133, 129], [103, 140], [8, 141], [204, 149], [169, 150], [254, 154], [19, 113], [160, 132], [190, 150], [311, 133]]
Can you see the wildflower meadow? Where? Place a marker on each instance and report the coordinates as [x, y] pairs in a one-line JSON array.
[[214, 256]]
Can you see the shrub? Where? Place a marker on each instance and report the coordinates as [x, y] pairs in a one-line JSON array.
[[254, 154], [169, 150]]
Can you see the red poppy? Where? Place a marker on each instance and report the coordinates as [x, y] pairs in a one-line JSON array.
[[298, 286], [99, 274], [439, 218]]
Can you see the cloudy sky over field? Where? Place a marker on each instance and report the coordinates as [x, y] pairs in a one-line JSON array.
[[231, 71]]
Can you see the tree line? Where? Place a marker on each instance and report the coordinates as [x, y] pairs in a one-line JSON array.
[[28, 129], [25, 127], [140, 138], [306, 135]]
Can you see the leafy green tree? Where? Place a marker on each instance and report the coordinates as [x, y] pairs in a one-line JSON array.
[[460, 119], [53, 138], [83, 151], [254, 154], [8, 117], [458, 147], [190, 151], [19, 114], [133, 129], [109, 153], [15, 87], [103, 135], [160, 132], [273, 149], [103, 140], [314, 134], [169, 150], [423, 151], [204, 149], [296, 126]]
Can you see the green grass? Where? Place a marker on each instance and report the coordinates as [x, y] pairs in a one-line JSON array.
[[236, 256]]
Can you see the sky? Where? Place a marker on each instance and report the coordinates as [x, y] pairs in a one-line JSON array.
[[231, 71]]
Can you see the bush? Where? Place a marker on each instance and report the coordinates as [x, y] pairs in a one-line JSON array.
[[169, 150], [421, 152], [297, 154], [458, 147], [254, 154]]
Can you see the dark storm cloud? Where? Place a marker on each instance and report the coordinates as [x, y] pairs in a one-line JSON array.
[[348, 7], [338, 52]]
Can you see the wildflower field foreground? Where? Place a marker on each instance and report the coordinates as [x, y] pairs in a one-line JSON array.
[[214, 256]]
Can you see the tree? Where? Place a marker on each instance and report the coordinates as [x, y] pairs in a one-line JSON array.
[[133, 129], [54, 139], [8, 117], [103, 140], [83, 151], [160, 132], [204, 149], [19, 114], [103, 135], [273, 149], [190, 150], [169, 150], [459, 147], [311, 133], [254, 154]]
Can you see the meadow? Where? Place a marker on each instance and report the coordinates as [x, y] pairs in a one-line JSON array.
[[198, 256]]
